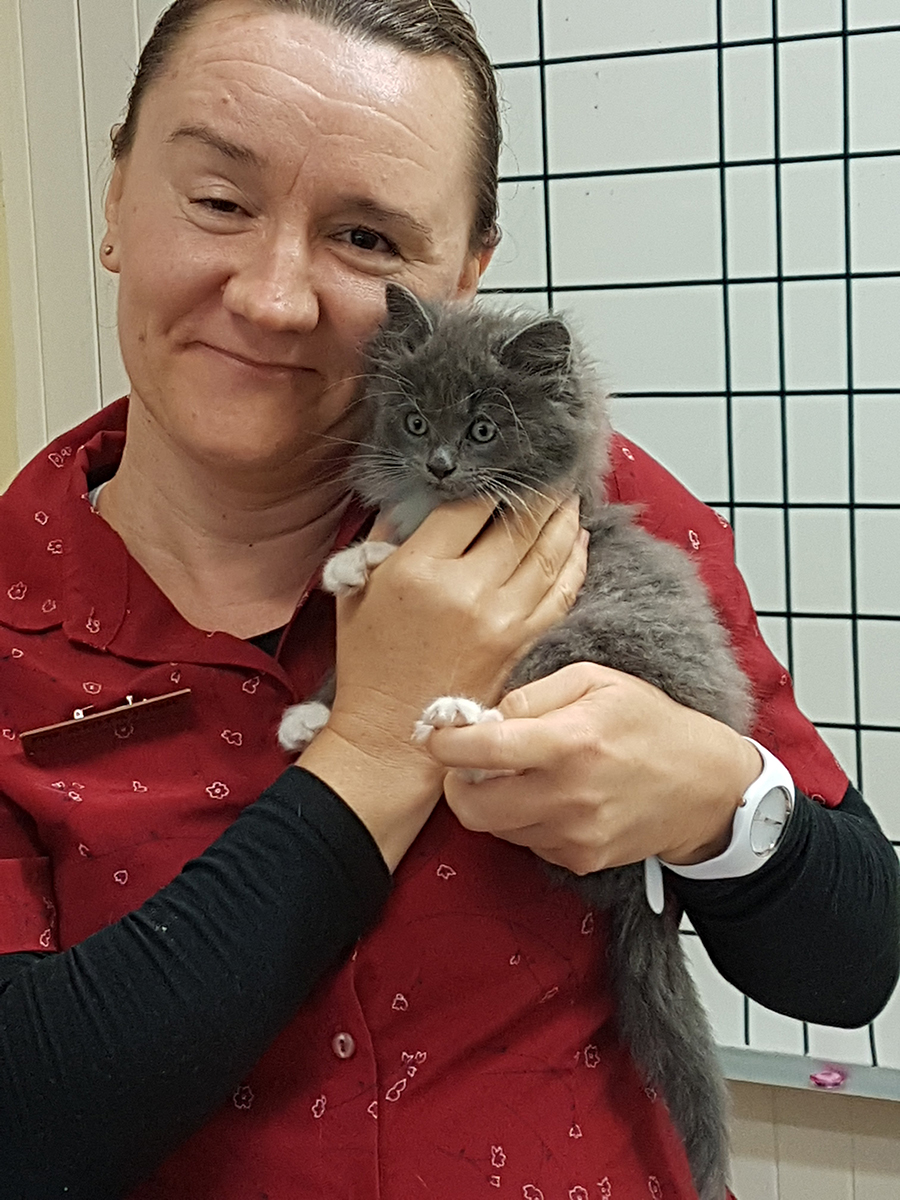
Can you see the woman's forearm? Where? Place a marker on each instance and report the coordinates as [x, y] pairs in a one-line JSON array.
[[815, 933]]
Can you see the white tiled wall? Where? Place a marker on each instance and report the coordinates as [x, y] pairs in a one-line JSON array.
[[640, 106]]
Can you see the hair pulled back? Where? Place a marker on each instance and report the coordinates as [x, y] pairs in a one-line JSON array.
[[423, 27]]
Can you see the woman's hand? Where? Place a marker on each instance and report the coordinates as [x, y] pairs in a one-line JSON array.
[[451, 610], [609, 770]]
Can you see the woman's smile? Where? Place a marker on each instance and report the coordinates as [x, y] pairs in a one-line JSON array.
[[252, 362]]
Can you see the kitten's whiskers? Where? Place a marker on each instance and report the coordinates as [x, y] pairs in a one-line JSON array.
[[520, 427]]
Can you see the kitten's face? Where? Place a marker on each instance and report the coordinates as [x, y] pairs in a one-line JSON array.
[[466, 403], [448, 437]]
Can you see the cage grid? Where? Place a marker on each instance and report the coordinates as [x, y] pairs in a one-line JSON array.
[[728, 284]]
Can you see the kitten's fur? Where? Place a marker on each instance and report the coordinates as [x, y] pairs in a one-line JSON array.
[[463, 400]]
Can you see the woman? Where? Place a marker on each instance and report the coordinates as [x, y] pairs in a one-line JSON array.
[[198, 1030]]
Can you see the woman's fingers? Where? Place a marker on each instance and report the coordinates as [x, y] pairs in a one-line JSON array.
[[451, 529], [513, 747], [563, 687], [535, 541], [547, 554], [563, 587], [529, 563], [520, 742]]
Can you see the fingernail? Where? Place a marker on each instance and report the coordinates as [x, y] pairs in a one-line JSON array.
[[584, 537]]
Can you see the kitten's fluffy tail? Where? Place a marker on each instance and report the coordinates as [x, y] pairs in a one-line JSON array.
[[671, 1041]]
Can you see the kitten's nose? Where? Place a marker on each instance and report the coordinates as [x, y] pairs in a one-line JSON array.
[[440, 464]]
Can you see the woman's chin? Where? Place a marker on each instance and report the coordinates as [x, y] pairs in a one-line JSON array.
[[251, 448]]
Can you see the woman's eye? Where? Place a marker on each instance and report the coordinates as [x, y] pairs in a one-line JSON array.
[[219, 205], [482, 430], [367, 239], [416, 424]]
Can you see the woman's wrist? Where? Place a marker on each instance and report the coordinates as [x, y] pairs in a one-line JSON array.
[[391, 790], [733, 769]]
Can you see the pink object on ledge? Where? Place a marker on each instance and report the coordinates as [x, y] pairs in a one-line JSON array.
[[829, 1077]]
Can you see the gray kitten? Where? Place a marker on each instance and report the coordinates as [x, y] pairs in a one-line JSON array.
[[464, 401]]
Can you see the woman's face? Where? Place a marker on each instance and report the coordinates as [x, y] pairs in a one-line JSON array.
[[281, 174]]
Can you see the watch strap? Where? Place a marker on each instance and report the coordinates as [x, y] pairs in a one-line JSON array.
[[740, 858]]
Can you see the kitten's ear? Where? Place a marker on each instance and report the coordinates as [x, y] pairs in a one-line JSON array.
[[542, 348], [405, 315]]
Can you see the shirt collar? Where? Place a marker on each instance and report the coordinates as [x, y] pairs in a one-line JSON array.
[[62, 565]]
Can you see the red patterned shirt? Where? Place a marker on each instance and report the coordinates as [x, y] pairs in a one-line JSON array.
[[469, 1045]]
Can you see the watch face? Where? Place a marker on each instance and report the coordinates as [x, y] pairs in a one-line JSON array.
[[769, 820]]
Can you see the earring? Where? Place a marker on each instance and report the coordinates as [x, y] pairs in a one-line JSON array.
[[107, 249]]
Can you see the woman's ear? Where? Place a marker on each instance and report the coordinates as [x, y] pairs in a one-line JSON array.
[[476, 264], [109, 250]]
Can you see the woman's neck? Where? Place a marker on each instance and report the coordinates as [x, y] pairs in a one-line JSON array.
[[231, 553]]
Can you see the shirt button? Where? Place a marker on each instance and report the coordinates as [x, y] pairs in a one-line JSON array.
[[343, 1045]]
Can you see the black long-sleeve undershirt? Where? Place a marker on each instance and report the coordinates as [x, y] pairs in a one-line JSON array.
[[113, 1052], [815, 933]]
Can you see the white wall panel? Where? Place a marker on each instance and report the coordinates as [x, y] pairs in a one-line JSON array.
[[748, 75], [750, 204], [753, 329], [772, 1032], [808, 16], [649, 110], [520, 112], [724, 1003], [109, 48], [746, 19], [757, 433], [508, 28], [818, 450], [586, 27], [812, 216], [62, 220], [21, 237], [521, 258], [682, 323], [636, 228], [148, 12], [887, 1037], [811, 108]]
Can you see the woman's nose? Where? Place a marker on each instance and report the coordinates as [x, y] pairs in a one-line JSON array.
[[275, 288]]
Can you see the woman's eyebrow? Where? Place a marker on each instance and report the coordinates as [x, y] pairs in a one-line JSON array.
[[233, 150], [379, 213]]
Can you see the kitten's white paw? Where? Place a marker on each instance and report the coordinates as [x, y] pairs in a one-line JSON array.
[[457, 711], [348, 570], [452, 710], [301, 723]]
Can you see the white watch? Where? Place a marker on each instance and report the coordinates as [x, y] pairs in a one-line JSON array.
[[759, 824]]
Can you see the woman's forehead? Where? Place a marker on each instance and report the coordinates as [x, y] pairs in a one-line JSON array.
[[257, 63]]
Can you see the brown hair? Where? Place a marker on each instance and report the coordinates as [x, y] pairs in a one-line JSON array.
[[425, 27]]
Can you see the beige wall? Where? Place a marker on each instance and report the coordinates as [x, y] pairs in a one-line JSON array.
[[795, 1145], [8, 446]]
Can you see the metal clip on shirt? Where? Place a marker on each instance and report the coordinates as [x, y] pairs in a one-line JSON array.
[[88, 731]]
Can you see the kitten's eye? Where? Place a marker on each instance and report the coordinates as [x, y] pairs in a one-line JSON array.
[[482, 430], [416, 424]]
